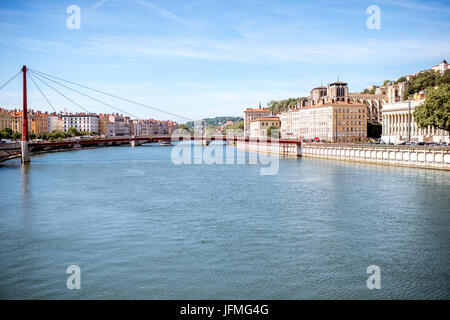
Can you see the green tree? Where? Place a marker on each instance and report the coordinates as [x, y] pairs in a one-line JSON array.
[[367, 91], [73, 132], [275, 130], [422, 81], [238, 125], [184, 127], [283, 105], [16, 135], [400, 80], [373, 130], [444, 78], [435, 111], [6, 133]]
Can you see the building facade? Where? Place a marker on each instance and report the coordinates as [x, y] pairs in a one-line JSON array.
[[5, 120], [399, 125], [16, 121], [441, 67], [118, 125], [39, 122], [334, 92], [153, 127], [260, 126], [396, 92], [253, 114], [81, 122], [331, 122], [55, 123]]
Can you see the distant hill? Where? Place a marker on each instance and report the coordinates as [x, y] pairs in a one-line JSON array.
[[216, 122]]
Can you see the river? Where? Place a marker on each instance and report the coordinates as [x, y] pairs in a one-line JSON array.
[[141, 227]]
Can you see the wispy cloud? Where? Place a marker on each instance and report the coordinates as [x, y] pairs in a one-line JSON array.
[[171, 16], [98, 4], [430, 6], [243, 51]]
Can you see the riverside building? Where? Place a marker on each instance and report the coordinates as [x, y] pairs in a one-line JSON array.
[[337, 121], [260, 126], [399, 125], [253, 114], [81, 122]]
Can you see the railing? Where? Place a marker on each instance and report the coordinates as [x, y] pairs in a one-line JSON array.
[[411, 156]]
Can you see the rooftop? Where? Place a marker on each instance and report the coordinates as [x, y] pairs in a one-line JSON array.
[[257, 110]]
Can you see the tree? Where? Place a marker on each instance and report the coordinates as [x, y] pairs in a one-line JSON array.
[[367, 91], [422, 81], [374, 130], [444, 78], [435, 111], [184, 127], [73, 132], [387, 82], [275, 130], [400, 80], [283, 105], [16, 135], [6, 133], [236, 126]]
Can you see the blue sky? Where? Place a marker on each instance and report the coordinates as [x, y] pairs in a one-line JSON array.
[[210, 58]]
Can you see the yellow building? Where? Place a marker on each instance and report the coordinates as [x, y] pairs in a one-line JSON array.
[[332, 122], [253, 114], [39, 122], [103, 124], [16, 122], [258, 127], [5, 119]]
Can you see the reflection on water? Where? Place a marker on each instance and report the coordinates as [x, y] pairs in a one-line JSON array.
[[25, 199], [141, 227]]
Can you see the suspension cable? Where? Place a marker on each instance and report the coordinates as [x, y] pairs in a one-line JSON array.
[[114, 96], [48, 101], [88, 96], [63, 95], [3, 85]]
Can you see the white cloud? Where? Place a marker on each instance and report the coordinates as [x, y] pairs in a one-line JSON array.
[[98, 4], [243, 51]]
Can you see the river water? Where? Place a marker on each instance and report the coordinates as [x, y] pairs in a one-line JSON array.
[[141, 227]]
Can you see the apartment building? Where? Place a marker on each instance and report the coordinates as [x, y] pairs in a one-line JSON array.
[[260, 126], [253, 114], [333, 122], [81, 122]]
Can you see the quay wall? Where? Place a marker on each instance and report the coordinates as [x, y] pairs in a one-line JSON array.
[[408, 156], [281, 148]]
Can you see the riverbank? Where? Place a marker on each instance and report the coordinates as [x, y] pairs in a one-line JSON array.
[[411, 156], [403, 156], [12, 151]]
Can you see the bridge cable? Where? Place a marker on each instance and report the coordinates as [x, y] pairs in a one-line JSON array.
[[115, 96], [88, 96], [48, 101], [63, 95], [3, 85]]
